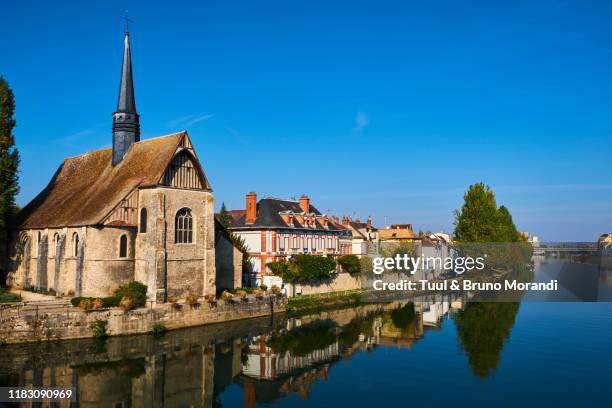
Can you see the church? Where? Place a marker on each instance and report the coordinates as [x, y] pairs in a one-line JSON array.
[[139, 211]]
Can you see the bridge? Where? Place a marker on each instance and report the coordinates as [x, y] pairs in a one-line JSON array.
[[565, 249]]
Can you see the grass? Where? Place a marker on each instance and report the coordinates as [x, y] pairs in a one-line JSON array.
[[7, 297], [323, 301]]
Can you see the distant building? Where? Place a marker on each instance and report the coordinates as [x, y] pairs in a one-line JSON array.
[[363, 236], [397, 233], [275, 229]]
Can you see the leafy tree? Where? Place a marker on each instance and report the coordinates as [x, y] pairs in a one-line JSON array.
[[303, 268], [350, 264], [224, 217], [506, 231], [478, 219], [9, 162]]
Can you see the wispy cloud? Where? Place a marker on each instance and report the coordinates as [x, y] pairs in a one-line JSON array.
[[189, 120], [73, 138], [361, 121]]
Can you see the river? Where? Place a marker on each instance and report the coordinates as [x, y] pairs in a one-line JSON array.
[[439, 351]]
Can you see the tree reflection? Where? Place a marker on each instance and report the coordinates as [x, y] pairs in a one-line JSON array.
[[482, 329]]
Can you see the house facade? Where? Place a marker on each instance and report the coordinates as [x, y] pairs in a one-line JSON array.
[[141, 210], [276, 229]]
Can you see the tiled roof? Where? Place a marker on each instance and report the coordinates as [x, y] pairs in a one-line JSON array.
[[268, 216], [86, 188]]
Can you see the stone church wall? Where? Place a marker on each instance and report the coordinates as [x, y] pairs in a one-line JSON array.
[[103, 269], [176, 269]]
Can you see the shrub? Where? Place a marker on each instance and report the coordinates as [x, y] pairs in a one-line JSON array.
[[86, 304], [127, 303], [76, 301], [135, 291], [275, 290], [97, 303], [303, 268], [110, 301], [98, 327], [263, 287], [107, 302], [350, 264], [225, 295], [242, 294], [158, 329], [258, 293]]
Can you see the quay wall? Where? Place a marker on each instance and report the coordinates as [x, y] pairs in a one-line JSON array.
[[337, 283], [40, 322]]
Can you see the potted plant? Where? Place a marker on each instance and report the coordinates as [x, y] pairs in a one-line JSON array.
[[259, 293], [242, 294], [191, 300], [227, 296], [173, 302], [126, 303], [97, 304]]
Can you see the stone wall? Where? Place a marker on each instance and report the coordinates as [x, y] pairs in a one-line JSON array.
[[339, 282], [27, 323], [228, 264]]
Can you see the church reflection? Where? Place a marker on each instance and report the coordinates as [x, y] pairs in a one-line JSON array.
[[267, 360]]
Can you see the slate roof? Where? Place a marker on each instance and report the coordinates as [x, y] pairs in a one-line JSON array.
[[86, 188], [268, 216]]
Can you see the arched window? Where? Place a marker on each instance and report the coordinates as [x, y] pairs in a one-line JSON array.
[[75, 244], [123, 246], [183, 227], [143, 220]]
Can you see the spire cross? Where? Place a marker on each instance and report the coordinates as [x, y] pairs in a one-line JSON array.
[[127, 21]]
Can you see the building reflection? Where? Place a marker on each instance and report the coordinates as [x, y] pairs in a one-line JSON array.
[[268, 359]]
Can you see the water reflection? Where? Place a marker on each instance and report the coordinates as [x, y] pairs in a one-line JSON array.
[[265, 361]]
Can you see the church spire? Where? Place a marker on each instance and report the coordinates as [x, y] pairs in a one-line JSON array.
[[126, 124]]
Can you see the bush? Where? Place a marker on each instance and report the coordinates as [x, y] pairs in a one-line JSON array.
[[303, 268], [258, 293], [135, 291], [225, 295], [263, 287], [275, 290], [158, 329], [350, 264], [86, 304], [98, 327]]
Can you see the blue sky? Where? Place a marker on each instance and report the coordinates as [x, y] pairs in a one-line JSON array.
[[389, 109]]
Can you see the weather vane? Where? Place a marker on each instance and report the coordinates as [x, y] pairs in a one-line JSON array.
[[127, 21]]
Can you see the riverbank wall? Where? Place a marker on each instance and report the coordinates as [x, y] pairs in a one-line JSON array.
[[60, 321]]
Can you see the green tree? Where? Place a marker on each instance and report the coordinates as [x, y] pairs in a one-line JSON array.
[[478, 219], [350, 264], [506, 230], [224, 217], [303, 268], [9, 163]]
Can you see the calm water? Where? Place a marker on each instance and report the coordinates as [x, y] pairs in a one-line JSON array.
[[440, 351]]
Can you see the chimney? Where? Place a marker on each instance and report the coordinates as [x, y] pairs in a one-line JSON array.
[[369, 223], [344, 220], [305, 203], [251, 208]]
